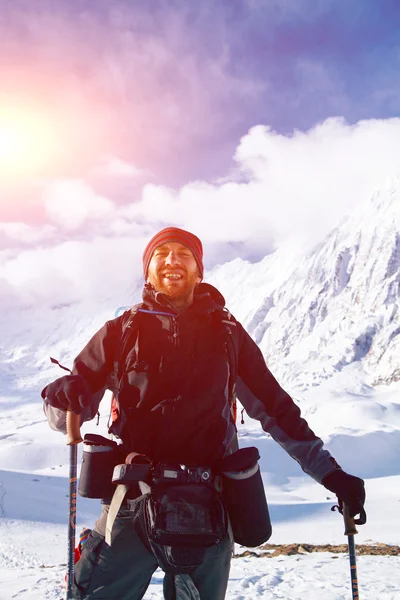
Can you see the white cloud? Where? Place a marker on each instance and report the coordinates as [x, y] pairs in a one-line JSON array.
[[25, 234], [70, 203], [116, 167], [312, 180], [71, 271], [297, 186]]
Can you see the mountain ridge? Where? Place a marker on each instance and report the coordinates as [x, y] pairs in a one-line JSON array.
[[339, 303]]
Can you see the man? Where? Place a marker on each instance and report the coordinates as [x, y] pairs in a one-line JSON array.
[[174, 388]]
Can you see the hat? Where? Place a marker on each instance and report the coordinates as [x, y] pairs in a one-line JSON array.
[[174, 234]]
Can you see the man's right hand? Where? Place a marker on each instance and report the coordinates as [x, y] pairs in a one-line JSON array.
[[70, 392]]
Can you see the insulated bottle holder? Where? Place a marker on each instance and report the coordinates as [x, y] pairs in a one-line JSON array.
[[100, 455], [244, 496]]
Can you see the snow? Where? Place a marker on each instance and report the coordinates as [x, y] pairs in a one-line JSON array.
[[34, 507], [328, 322]]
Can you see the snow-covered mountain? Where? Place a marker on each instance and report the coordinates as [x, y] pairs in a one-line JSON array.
[[314, 314]]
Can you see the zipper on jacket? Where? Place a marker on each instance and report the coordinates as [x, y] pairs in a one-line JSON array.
[[175, 331]]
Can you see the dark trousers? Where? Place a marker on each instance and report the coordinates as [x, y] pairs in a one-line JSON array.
[[123, 570]]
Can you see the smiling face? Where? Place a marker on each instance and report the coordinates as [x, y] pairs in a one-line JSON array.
[[174, 272]]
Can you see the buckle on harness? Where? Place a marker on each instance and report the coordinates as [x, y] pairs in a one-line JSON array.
[[180, 474], [128, 474], [137, 467]]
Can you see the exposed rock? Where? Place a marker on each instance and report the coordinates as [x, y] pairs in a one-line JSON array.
[[273, 550]]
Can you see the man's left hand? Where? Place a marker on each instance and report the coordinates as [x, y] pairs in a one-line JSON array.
[[348, 488]]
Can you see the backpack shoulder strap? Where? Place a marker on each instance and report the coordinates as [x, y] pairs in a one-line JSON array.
[[229, 324], [127, 326]]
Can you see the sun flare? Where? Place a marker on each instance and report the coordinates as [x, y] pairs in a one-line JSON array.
[[26, 143]]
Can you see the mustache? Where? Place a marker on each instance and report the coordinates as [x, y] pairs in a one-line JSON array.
[[179, 271]]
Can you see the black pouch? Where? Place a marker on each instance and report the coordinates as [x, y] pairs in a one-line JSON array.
[[100, 455], [182, 521], [244, 496]]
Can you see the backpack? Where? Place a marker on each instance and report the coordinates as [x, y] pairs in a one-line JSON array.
[[129, 324]]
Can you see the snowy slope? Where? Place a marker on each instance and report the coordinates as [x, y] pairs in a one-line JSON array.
[[328, 323], [33, 510], [312, 315]]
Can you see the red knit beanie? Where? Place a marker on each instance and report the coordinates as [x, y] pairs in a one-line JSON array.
[[173, 234]]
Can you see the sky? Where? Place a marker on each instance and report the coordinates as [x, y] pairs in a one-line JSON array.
[[250, 123]]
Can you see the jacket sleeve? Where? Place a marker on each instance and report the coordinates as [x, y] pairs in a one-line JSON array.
[[263, 399], [96, 365]]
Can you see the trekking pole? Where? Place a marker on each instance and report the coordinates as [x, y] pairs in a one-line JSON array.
[[73, 439], [350, 530]]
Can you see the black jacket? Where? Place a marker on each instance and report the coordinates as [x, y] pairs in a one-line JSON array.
[[173, 385]]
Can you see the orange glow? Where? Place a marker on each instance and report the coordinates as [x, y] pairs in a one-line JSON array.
[[27, 143]]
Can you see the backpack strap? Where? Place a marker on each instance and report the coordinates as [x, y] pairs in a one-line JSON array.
[[128, 326], [229, 324]]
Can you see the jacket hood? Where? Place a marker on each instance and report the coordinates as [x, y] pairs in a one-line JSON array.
[[208, 289], [206, 297]]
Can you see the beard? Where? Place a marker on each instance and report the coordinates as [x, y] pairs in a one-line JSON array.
[[180, 289]]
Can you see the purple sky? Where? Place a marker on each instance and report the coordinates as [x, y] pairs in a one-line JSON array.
[[172, 85]]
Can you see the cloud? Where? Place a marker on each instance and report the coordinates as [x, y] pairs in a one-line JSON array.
[[281, 10], [114, 166], [22, 234], [311, 180], [70, 204], [70, 272], [297, 186]]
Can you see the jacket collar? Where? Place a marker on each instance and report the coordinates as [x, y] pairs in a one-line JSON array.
[[206, 299]]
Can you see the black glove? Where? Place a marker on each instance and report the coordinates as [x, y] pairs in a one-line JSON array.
[[348, 489], [70, 392]]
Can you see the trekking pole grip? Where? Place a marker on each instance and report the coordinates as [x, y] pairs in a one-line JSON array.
[[73, 428], [349, 526]]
